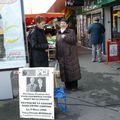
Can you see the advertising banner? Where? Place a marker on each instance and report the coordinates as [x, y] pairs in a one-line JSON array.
[[36, 87], [12, 46]]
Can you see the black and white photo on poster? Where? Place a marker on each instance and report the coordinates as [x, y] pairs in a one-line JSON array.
[[36, 84], [41, 87], [28, 72]]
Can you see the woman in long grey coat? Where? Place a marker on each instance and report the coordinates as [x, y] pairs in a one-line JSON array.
[[66, 53]]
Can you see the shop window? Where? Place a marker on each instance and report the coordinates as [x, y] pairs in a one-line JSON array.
[[116, 24]]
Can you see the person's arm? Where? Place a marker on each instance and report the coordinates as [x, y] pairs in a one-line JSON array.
[[70, 37], [35, 44], [56, 47], [103, 29], [89, 29]]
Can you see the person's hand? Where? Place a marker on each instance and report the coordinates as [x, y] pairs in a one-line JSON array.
[[46, 50], [50, 46], [62, 36]]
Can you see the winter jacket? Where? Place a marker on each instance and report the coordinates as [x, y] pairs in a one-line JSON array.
[[39, 57], [66, 53], [96, 30]]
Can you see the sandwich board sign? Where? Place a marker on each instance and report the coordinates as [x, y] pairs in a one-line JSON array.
[[36, 93]]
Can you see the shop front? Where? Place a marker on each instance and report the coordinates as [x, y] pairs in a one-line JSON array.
[[102, 10], [84, 20], [116, 23]]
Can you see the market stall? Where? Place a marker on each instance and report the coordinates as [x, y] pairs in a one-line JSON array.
[[50, 28]]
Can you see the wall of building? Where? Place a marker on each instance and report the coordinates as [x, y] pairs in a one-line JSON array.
[[107, 22]]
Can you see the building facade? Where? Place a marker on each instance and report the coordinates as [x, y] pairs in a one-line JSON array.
[[108, 11]]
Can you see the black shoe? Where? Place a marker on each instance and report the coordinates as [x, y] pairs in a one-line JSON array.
[[93, 60], [74, 89]]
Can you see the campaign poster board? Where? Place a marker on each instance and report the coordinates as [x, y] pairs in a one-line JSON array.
[[12, 44], [113, 51], [5, 85], [36, 93]]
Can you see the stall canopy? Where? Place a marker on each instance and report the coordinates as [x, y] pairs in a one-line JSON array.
[[30, 18], [59, 6]]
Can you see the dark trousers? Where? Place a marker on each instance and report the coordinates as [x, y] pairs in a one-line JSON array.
[[71, 85]]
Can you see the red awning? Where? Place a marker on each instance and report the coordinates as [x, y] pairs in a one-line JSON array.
[[59, 6], [46, 15], [30, 18]]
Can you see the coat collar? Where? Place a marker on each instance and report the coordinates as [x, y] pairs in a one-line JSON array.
[[66, 31], [38, 29]]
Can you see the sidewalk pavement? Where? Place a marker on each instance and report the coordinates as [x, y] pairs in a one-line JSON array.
[[98, 96]]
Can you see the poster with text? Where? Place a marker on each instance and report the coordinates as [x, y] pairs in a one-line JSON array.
[[36, 87], [113, 50], [12, 46]]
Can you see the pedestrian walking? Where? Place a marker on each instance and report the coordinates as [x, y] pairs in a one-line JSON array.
[[66, 53], [96, 31], [39, 45]]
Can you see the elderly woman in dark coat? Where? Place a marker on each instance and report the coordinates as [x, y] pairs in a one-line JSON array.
[[39, 45], [66, 53]]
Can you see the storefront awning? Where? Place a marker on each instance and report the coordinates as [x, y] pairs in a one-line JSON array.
[[30, 18], [59, 6], [46, 15]]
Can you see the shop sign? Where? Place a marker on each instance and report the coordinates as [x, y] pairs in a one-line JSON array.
[[116, 7], [89, 5], [103, 2]]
